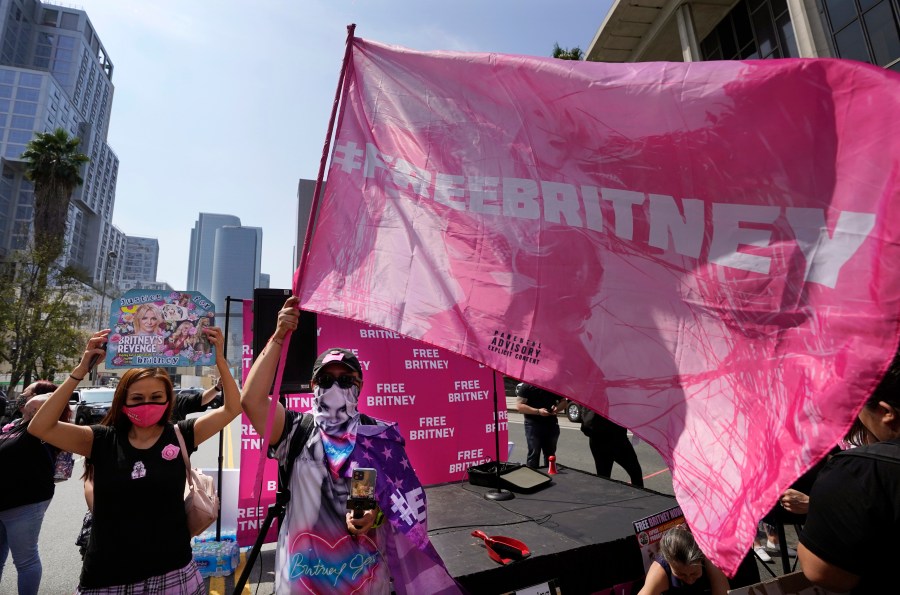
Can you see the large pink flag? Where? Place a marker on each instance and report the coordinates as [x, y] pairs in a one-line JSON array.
[[705, 253]]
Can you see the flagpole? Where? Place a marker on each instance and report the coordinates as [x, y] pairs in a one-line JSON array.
[[351, 29], [279, 374]]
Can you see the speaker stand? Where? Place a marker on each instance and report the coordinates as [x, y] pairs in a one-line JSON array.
[[499, 494]]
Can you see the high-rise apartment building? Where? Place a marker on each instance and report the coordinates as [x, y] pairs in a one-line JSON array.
[[140, 262], [55, 73], [306, 190]]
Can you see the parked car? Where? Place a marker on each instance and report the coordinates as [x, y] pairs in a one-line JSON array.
[[93, 405]]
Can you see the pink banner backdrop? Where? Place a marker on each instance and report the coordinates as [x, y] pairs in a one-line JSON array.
[[442, 402], [705, 253]]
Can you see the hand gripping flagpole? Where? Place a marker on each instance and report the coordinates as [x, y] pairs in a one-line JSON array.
[[276, 391]]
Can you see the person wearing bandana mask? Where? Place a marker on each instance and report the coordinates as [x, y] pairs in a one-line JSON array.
[[139, 541], [321, 546]]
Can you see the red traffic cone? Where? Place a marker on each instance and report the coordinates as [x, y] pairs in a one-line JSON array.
[[552, 470]]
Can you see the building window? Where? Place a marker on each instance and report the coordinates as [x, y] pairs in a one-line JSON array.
[[30, 80], [865, 30], [24, 108], [753, 29], [22, 123], [69, 21], [50, 17], [27, 94]]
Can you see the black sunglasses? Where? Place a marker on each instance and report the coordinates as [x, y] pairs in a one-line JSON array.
[[326, 381]]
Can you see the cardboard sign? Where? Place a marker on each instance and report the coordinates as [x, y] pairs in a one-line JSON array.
[[650, 530], [158, 328]]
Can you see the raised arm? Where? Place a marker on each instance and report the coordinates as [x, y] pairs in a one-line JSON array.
[[211, 422], [255, 398], [46, 425]]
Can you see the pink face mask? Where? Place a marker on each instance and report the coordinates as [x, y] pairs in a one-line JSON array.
[[144, 416]]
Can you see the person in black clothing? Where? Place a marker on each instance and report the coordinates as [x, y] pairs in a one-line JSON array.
[[609, 443], [29, 464], [849, 542], [140, 540], [195, 403], [541, 426]]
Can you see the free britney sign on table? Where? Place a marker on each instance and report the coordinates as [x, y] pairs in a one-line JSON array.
[[160, 328], [443, 403]]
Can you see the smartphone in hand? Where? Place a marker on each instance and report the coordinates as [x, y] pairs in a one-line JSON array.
[[96, 359], [362, 491]]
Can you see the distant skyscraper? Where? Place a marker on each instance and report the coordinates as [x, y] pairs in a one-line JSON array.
[[305, 191], [55, 73], [236, 263], [140, 262], [203, 245], [264, 281]]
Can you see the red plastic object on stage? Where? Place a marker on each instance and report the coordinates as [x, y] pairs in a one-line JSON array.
[[503, 549], [552, 470]]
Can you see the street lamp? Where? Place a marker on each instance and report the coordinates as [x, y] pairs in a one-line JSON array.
[[109, 256]]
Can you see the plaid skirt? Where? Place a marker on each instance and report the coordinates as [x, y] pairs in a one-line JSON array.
[[184, 581]]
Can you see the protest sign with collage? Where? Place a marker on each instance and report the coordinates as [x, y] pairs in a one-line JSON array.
[[160, 328]]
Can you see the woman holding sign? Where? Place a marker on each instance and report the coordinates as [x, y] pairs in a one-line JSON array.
[[139, 540]]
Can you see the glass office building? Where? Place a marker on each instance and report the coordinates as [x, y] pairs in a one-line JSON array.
[[55, 73], [688, 30]]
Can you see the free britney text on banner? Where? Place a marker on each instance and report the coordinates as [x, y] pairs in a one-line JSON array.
[[442, 403], [703, 252]]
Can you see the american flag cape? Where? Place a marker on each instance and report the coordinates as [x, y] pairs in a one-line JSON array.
[[415, 565], [705, 253]]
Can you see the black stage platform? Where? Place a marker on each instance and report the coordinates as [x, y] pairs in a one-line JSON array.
[[579, 530]]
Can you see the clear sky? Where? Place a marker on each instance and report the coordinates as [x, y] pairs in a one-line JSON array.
[[222, 106]]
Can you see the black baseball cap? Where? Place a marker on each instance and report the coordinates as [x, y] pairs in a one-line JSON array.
[[339, 355]]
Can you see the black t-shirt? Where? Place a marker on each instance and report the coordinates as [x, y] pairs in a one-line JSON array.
[[854, 514], [539, 399], [28, 465], [140, 527], [185, 405]]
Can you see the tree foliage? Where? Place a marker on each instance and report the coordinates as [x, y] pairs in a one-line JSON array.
[[574, 53], [40, 323], [52, 163], [42, 308]]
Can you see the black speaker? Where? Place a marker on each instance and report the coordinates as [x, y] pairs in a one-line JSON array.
[[513, 477], [302, 350]]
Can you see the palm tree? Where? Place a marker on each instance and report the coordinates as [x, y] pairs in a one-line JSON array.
[[52, 163], [574, 53]]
